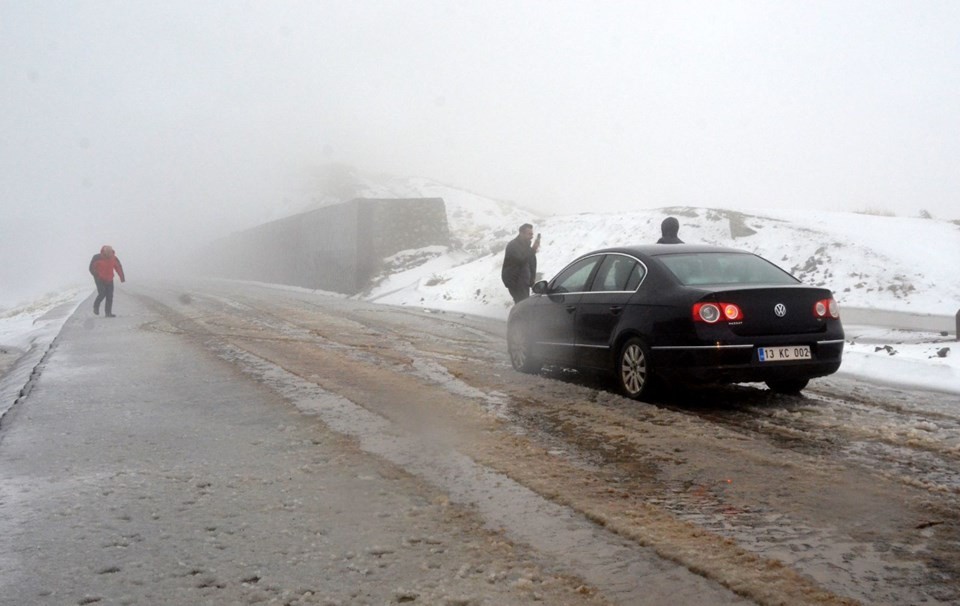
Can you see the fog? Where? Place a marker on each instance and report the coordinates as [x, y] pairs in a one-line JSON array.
[[154, 126]]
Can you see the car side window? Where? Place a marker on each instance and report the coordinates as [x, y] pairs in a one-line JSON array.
[[618, 273], [636, 276], [574, 278]]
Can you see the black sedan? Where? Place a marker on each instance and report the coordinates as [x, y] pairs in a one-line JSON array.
[[678, 314]]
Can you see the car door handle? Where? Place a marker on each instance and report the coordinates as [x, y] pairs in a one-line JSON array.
[[616, 309], [571, 309]]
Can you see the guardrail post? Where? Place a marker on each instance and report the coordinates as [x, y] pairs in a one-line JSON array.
[[957, 333]]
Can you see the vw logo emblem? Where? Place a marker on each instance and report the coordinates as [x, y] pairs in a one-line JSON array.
[[780, 309]]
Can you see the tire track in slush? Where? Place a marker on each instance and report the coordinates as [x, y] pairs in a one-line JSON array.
[[899, 443], [618, 567], [785, 420]]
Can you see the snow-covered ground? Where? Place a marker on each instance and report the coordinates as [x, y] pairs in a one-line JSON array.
[[870, 262], [25, 335], [21, 326]]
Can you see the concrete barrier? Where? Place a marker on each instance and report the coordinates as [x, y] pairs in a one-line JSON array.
[[339, 247], [901, 320]]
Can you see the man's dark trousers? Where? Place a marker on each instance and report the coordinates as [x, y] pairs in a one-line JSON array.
[[104, 291]]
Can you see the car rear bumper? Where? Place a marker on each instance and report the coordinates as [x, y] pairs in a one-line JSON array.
[[740, 363]]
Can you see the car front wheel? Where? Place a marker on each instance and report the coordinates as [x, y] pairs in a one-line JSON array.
[[633, 369], [518, 345]]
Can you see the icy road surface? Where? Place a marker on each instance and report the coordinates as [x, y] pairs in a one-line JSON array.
[[846, 494]]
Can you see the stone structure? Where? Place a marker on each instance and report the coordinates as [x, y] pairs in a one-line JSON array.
[[337, 248]]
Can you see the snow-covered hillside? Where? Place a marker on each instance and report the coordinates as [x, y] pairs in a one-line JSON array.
[[877, 262], [869, 261]]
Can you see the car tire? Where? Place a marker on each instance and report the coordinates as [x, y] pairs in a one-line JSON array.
[[633, 369], [787, 386], [519, 348]]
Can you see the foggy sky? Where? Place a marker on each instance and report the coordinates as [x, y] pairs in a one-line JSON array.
[[153, 125]]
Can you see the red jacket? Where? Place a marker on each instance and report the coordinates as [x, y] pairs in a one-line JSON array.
[[103, 265]]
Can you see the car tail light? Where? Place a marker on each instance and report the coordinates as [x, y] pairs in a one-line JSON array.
[[827, 308], [712, 313]]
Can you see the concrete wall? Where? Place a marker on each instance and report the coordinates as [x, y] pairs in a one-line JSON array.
[[337, 248], [902, 320]]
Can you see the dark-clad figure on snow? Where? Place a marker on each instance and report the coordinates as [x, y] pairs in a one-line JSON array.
[[670, 228], [520, 263], [102, 267]]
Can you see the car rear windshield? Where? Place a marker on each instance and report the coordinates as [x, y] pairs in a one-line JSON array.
[[693, 269]]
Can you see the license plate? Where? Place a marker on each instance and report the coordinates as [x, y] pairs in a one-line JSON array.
[[777, 354]]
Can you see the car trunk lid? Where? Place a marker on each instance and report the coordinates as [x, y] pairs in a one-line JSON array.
[[773, 310]]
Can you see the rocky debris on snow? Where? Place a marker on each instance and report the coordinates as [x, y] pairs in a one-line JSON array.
[[410, 258], [737, 221], [403, 596]]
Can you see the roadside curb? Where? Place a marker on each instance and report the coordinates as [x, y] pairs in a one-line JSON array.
[[18, 382]]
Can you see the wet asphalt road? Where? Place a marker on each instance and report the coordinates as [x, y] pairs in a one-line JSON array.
[[153, 464]]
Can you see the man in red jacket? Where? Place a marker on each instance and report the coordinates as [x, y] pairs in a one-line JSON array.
[[102, 267]]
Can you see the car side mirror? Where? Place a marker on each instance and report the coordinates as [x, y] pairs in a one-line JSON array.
[[540, 288]]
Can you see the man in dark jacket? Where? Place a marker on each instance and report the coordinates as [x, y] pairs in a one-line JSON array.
[[520, 263], [670, 228], [102, 267]]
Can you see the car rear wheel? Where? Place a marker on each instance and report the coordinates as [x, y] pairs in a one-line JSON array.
[[633, 369], [518, 345], [788, 386]]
